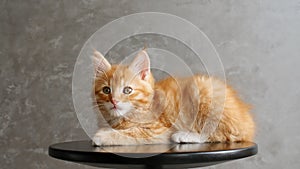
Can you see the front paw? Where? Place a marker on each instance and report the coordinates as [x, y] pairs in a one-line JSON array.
[[96, 141], [187, 137], [179, 137], [103, 137]]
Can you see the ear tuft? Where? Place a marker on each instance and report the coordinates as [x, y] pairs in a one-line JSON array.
[[100, 63], [141, 64]]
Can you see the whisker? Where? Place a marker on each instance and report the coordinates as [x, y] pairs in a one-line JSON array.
[[97, 102], [100, 103], [98, 107]]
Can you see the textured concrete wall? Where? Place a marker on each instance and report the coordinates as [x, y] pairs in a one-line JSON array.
[[258, 41]]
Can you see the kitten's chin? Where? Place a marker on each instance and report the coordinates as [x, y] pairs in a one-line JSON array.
[[118, 112]]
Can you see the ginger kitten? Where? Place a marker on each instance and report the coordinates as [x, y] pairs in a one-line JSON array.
[[139, 110]]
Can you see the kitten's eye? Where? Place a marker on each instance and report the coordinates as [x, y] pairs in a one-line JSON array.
[[127, 90], [106, 90]]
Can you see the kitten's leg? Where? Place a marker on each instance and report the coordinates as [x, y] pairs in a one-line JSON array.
[[109, 136], [187, 137]]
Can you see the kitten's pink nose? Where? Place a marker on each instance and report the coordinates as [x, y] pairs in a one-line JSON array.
[[114, 102]]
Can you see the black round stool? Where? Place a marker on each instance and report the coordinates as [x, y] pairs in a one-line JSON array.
[[152, 156]]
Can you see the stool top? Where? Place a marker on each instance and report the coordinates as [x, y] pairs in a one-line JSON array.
[[179, 155]]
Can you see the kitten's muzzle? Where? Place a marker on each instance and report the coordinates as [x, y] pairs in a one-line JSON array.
[[114, 102]]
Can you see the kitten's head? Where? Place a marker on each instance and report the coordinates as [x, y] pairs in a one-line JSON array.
[[120, 89]]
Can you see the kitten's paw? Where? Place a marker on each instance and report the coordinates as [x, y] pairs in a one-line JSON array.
[[97, 139], [187, 137], [102, 137], [179, 137]]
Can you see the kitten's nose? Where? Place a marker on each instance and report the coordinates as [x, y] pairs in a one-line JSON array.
[[114, 102]]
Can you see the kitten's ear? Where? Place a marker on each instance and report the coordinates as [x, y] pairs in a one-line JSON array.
[[141, 64], [100, 63]]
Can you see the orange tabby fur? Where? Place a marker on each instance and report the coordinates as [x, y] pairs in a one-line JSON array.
[[172, 110]]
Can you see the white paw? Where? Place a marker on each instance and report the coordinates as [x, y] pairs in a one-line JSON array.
[[96, 141], [179, 137], [103, 137], [187, 137]]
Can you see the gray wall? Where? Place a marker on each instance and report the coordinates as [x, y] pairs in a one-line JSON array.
[[258, 41]]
